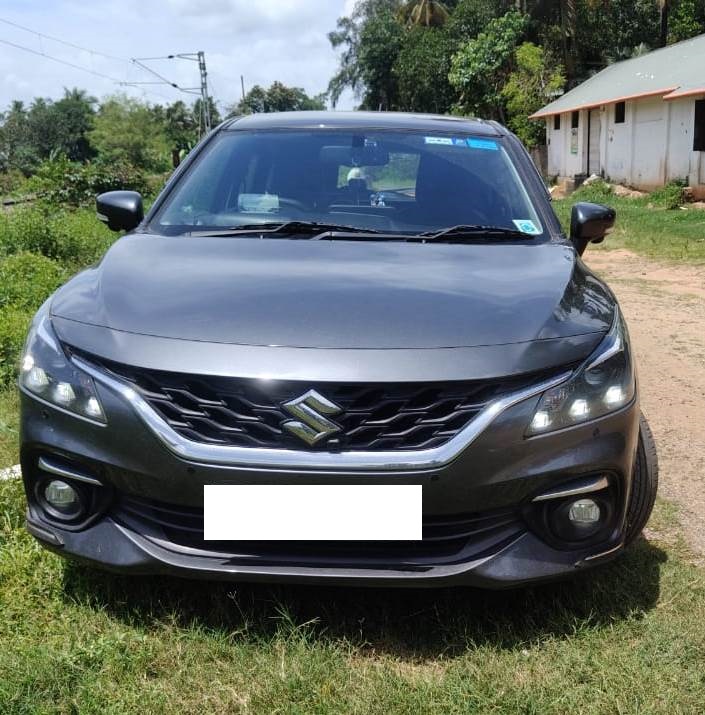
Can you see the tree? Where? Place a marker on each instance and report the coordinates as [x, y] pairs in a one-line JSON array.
[[568, 33], [73, 115], [421, 70], [212, 109], [181, 128], [481, 67], [534, 82], [126, 130], [278, 98], [370, 41], [16, 147], [424, 13], [469, 18], [686, 19], [29, 136]]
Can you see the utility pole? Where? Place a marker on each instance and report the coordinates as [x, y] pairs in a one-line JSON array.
[[205, 99], [204, 120]]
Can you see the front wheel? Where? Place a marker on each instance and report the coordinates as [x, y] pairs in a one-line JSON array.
[[644, 482]]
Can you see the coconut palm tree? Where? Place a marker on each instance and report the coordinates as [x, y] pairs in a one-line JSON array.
[[424, 13]]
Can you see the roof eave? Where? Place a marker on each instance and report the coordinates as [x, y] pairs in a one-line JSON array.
[[547, 112]]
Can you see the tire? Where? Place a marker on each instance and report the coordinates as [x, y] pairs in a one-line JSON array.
[[644, 483]]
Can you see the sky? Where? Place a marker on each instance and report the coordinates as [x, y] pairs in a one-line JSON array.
[[264, 40]]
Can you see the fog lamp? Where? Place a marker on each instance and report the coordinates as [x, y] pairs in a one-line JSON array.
[[60, 495], [584, 512]]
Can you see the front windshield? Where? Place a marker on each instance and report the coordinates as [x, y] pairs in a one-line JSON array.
[[384, 181]]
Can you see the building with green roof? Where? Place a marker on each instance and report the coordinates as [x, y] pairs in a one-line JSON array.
[[639, 122]]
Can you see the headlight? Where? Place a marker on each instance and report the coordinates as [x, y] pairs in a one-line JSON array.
[[605, 383], [46, 372]]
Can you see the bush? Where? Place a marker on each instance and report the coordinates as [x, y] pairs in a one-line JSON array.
[[11, 181], [14, 324], [27, 229], [27, 279], [73, 237], [60, 181], [670, 196], [596, 191]]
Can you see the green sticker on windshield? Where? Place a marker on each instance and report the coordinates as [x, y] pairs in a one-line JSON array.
[[526, 225]]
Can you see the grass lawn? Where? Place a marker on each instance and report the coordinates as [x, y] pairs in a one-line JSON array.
[[627, 638], [9, 428], [645, 226]]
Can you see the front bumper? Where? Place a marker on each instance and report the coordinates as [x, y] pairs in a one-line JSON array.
[[500, 472]]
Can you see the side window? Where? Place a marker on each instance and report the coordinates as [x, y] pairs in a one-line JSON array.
[[574, 120], [556, 122], [699, 129], [619, 112]]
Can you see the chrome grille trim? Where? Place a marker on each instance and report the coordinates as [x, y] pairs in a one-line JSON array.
[[266, 458]]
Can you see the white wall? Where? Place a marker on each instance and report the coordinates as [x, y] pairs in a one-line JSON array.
[[561, 161], [654, 145]]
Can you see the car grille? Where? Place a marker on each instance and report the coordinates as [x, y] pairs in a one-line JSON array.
[[446, 540], [374, 416]]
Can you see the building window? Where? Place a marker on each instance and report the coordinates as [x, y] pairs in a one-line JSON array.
[[619, 112], [574, 120], [556, 122], [699, 129]]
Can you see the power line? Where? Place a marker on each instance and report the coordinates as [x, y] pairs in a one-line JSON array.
[[42, 53], [204, 119], [63, 62], [62, 42], [199, 57]]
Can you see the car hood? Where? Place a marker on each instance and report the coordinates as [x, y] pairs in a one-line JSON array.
[[338, 294]]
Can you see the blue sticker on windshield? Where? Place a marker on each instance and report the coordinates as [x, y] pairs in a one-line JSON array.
[[525, 225], [483, 144]]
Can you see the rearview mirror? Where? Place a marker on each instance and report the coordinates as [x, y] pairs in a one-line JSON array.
[[369, 155], [120, 210], [590, 223]]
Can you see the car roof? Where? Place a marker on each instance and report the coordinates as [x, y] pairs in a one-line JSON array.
[[364, 120]]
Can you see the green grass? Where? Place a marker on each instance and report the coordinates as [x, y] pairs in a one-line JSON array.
[[626, 638], [646, 226], [9, 428]]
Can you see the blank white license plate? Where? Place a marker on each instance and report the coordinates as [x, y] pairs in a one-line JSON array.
[[312, 512]]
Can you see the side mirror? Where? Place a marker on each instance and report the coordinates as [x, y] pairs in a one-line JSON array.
[[590, 223], [120, 210]]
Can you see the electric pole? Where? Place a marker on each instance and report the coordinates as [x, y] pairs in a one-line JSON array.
[[204, 118], [205, 99]]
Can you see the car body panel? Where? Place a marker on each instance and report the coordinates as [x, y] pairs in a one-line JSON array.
[[335, 311], [338, 294]]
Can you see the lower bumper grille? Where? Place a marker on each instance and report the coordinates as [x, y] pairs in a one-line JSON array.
[[446, 540]]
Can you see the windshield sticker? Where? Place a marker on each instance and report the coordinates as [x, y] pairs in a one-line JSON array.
[[258, 203], [447, 141], [525, 225], [483, 144]]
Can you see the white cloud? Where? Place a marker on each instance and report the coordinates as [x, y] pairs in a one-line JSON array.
[[265, 40]]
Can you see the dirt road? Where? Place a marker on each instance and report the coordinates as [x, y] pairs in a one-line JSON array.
[[665, 309]]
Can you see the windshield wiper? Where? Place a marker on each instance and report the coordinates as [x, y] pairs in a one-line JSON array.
[[308, 228], [464, 231]]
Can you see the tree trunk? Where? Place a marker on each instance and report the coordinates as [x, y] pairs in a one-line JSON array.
[[663, 16], [568, 37]]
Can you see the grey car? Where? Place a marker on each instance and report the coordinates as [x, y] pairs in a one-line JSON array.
[[357, 299]]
